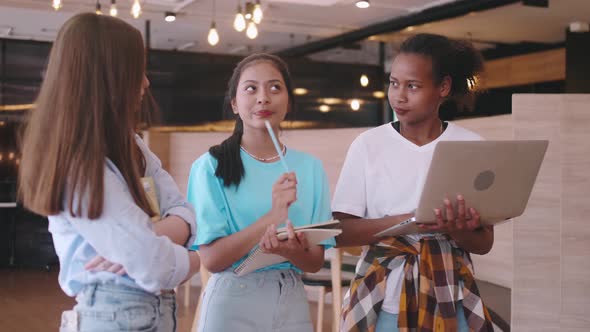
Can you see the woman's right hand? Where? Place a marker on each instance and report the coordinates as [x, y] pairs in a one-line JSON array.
[[284, 193]]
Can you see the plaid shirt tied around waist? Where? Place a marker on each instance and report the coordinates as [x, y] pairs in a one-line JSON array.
[[429, 291]]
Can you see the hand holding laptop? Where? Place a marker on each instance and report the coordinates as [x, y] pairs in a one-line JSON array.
[[449, 220], [495, 177]]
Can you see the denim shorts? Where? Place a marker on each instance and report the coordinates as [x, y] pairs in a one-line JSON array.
[[113, 308], [264, 301], [387, 322]]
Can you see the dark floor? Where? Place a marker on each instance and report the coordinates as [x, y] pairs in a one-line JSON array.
[[31, 300]]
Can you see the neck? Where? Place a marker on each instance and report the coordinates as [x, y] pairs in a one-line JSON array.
[[422, 133], [259, 143]]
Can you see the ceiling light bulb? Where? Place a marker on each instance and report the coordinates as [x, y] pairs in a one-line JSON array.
[[56, 4], [257, 13], [213, 37], [136, 9], [324, 108], [169, 17], [252, 31], [355, 104], [98, 10], [363, 4], [300, 91], [364, 80], [379, 94], [113, 11], [239, 21]]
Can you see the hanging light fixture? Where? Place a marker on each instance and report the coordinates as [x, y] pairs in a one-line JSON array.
[[98, 11], [136, 9], [239, 21], [379, 94], [113, 11], [252, 31], [169, 17], [56, 4], [213, 36], [363, 4], [355, 104], [249, 8], [257, 13], [364, 80]]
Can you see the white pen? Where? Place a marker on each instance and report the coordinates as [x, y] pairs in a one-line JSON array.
[[275, 142]]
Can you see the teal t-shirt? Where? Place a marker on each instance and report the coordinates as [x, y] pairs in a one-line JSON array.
[[222, 211]]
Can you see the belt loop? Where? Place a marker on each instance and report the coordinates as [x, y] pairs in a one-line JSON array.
[[90, 295], [294, 277]]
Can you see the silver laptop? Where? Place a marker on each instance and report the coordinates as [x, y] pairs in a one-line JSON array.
[[495, 177]]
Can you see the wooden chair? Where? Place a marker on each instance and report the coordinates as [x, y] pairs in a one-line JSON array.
[[337, 274]]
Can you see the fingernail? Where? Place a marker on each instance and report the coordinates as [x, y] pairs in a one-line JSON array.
[[447, 201], [460, 197], [437, 211]]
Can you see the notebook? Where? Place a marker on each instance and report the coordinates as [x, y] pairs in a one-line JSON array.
[[315, 234], [495, 177]]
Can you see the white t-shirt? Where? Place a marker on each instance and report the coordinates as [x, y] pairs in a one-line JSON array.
[[383, 175]]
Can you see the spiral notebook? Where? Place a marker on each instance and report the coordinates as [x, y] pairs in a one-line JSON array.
[[315, 234]]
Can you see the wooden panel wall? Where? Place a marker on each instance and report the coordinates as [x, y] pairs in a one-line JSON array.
[[551, 289], [526, 69]]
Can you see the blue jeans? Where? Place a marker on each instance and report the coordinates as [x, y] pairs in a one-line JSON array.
[[387, 322], [111, 308], [265, 301]]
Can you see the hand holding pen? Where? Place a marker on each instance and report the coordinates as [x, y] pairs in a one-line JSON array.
[[284, 191]]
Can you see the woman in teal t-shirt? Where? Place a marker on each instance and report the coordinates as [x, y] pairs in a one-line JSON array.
[[241, 194]]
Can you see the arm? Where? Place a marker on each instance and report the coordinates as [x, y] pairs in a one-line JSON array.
[[223, 252], [295, 248], [175, 228], [465, 229], [350, 201], [478, 241], [226, 250], [175, 209], [123, 236], [360, 232]]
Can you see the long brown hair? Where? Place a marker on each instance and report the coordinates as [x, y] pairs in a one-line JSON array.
[[86, 111]]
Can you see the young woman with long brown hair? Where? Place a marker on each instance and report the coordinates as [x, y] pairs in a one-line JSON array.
[[82, 165]]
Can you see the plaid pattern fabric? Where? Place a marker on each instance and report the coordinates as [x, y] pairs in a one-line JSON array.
[[430, 287]]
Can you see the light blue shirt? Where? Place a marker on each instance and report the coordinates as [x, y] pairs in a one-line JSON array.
[[222, 211], [123, 234]]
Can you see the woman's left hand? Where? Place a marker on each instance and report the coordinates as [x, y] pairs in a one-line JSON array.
[[99, 264], [295, 244], [454, 221]]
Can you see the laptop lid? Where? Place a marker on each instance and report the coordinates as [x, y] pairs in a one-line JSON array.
[[495, 177]]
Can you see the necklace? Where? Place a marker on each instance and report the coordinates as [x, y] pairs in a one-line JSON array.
[[441, 128], [265, 159]]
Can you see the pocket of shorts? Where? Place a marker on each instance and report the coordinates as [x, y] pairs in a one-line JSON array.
[[137, 317]]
